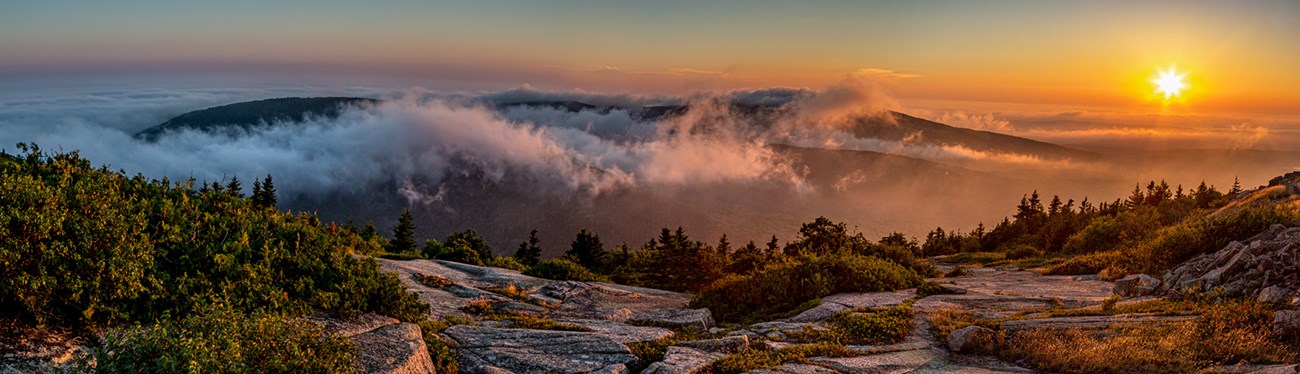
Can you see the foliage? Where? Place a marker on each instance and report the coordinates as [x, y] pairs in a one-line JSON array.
[[457, 253], [782, 288], [86, 246], [217, 338], [561, 269], [441, 352], [435, 281], [529, 253], [1021, 251], [756, 358], [1227, 333], [945, 321], [879, 326], [403, 235], [471, 240], [587, 250], [507, 263]]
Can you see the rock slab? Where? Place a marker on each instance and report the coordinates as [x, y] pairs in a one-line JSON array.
[[683, 360], [970, 339], [487, 349]]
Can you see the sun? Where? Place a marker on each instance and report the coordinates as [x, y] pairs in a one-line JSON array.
[[1170, 83]]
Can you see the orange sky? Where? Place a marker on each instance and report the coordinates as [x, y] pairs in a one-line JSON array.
[[1241, 57]]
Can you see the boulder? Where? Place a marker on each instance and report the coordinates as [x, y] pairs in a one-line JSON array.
[[730, 344], [1136, 285], [1275, 295], [685, 319], [397, 348], [384, 344], [536, 351], [1262, 267], [1287, 322], [683, 360], [970, 339]]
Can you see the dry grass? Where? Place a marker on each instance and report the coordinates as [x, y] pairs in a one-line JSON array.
[[1226, 334], [434, 281]]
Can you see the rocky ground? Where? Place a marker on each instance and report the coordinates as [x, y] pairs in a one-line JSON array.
[[621, 315], [614, 317]]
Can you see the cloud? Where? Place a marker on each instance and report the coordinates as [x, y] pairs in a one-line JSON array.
[[883, 73]]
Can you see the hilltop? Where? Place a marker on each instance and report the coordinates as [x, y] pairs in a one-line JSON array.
[[229, 283]]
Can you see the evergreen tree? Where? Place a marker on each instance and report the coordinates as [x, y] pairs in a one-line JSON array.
[[588, 250], [234, 188], [403, 235], [369, 232], [1236, 187], [268, 193], [724, 247], [529, 253]]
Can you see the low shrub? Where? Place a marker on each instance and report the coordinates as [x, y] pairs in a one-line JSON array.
[[783, 288], [218, 339], [435, 281], [1021, 251], [506, 262], [562, 269], [1092, 263], [878, 326], [401, 256], [760, 358]]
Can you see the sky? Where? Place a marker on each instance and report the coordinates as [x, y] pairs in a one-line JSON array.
[[1239, 57]]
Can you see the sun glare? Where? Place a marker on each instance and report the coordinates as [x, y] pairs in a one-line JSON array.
[[1170, 83]]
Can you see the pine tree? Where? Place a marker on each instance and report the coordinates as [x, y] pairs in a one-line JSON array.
[[403, 235], [529, 253], [588, 250], [1236, 187], [268, 193], [724, 247], [234, 188]]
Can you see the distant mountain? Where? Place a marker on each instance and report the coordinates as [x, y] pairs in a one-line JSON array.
[[248, 114], [897, 127]]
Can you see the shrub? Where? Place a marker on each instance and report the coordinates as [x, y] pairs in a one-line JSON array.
[[219, 339], [435, 281], [1021, 251], [874, 326], [459, 253], [562, 269], [1175, 244], [783, 288], [401, 256], [1092, 263], [89, 246], [759, 358], [506, 262]]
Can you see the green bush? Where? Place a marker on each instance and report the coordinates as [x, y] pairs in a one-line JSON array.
[[459, 253], [1175, 244], [506, 262], [1021, 251], [89, 246], [784, 288], [874, 327], [561, 269], [217, 338]]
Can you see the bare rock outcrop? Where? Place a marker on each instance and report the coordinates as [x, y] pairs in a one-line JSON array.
[[384, 344], [1266, 266], [487, 349], [1136, 285]]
